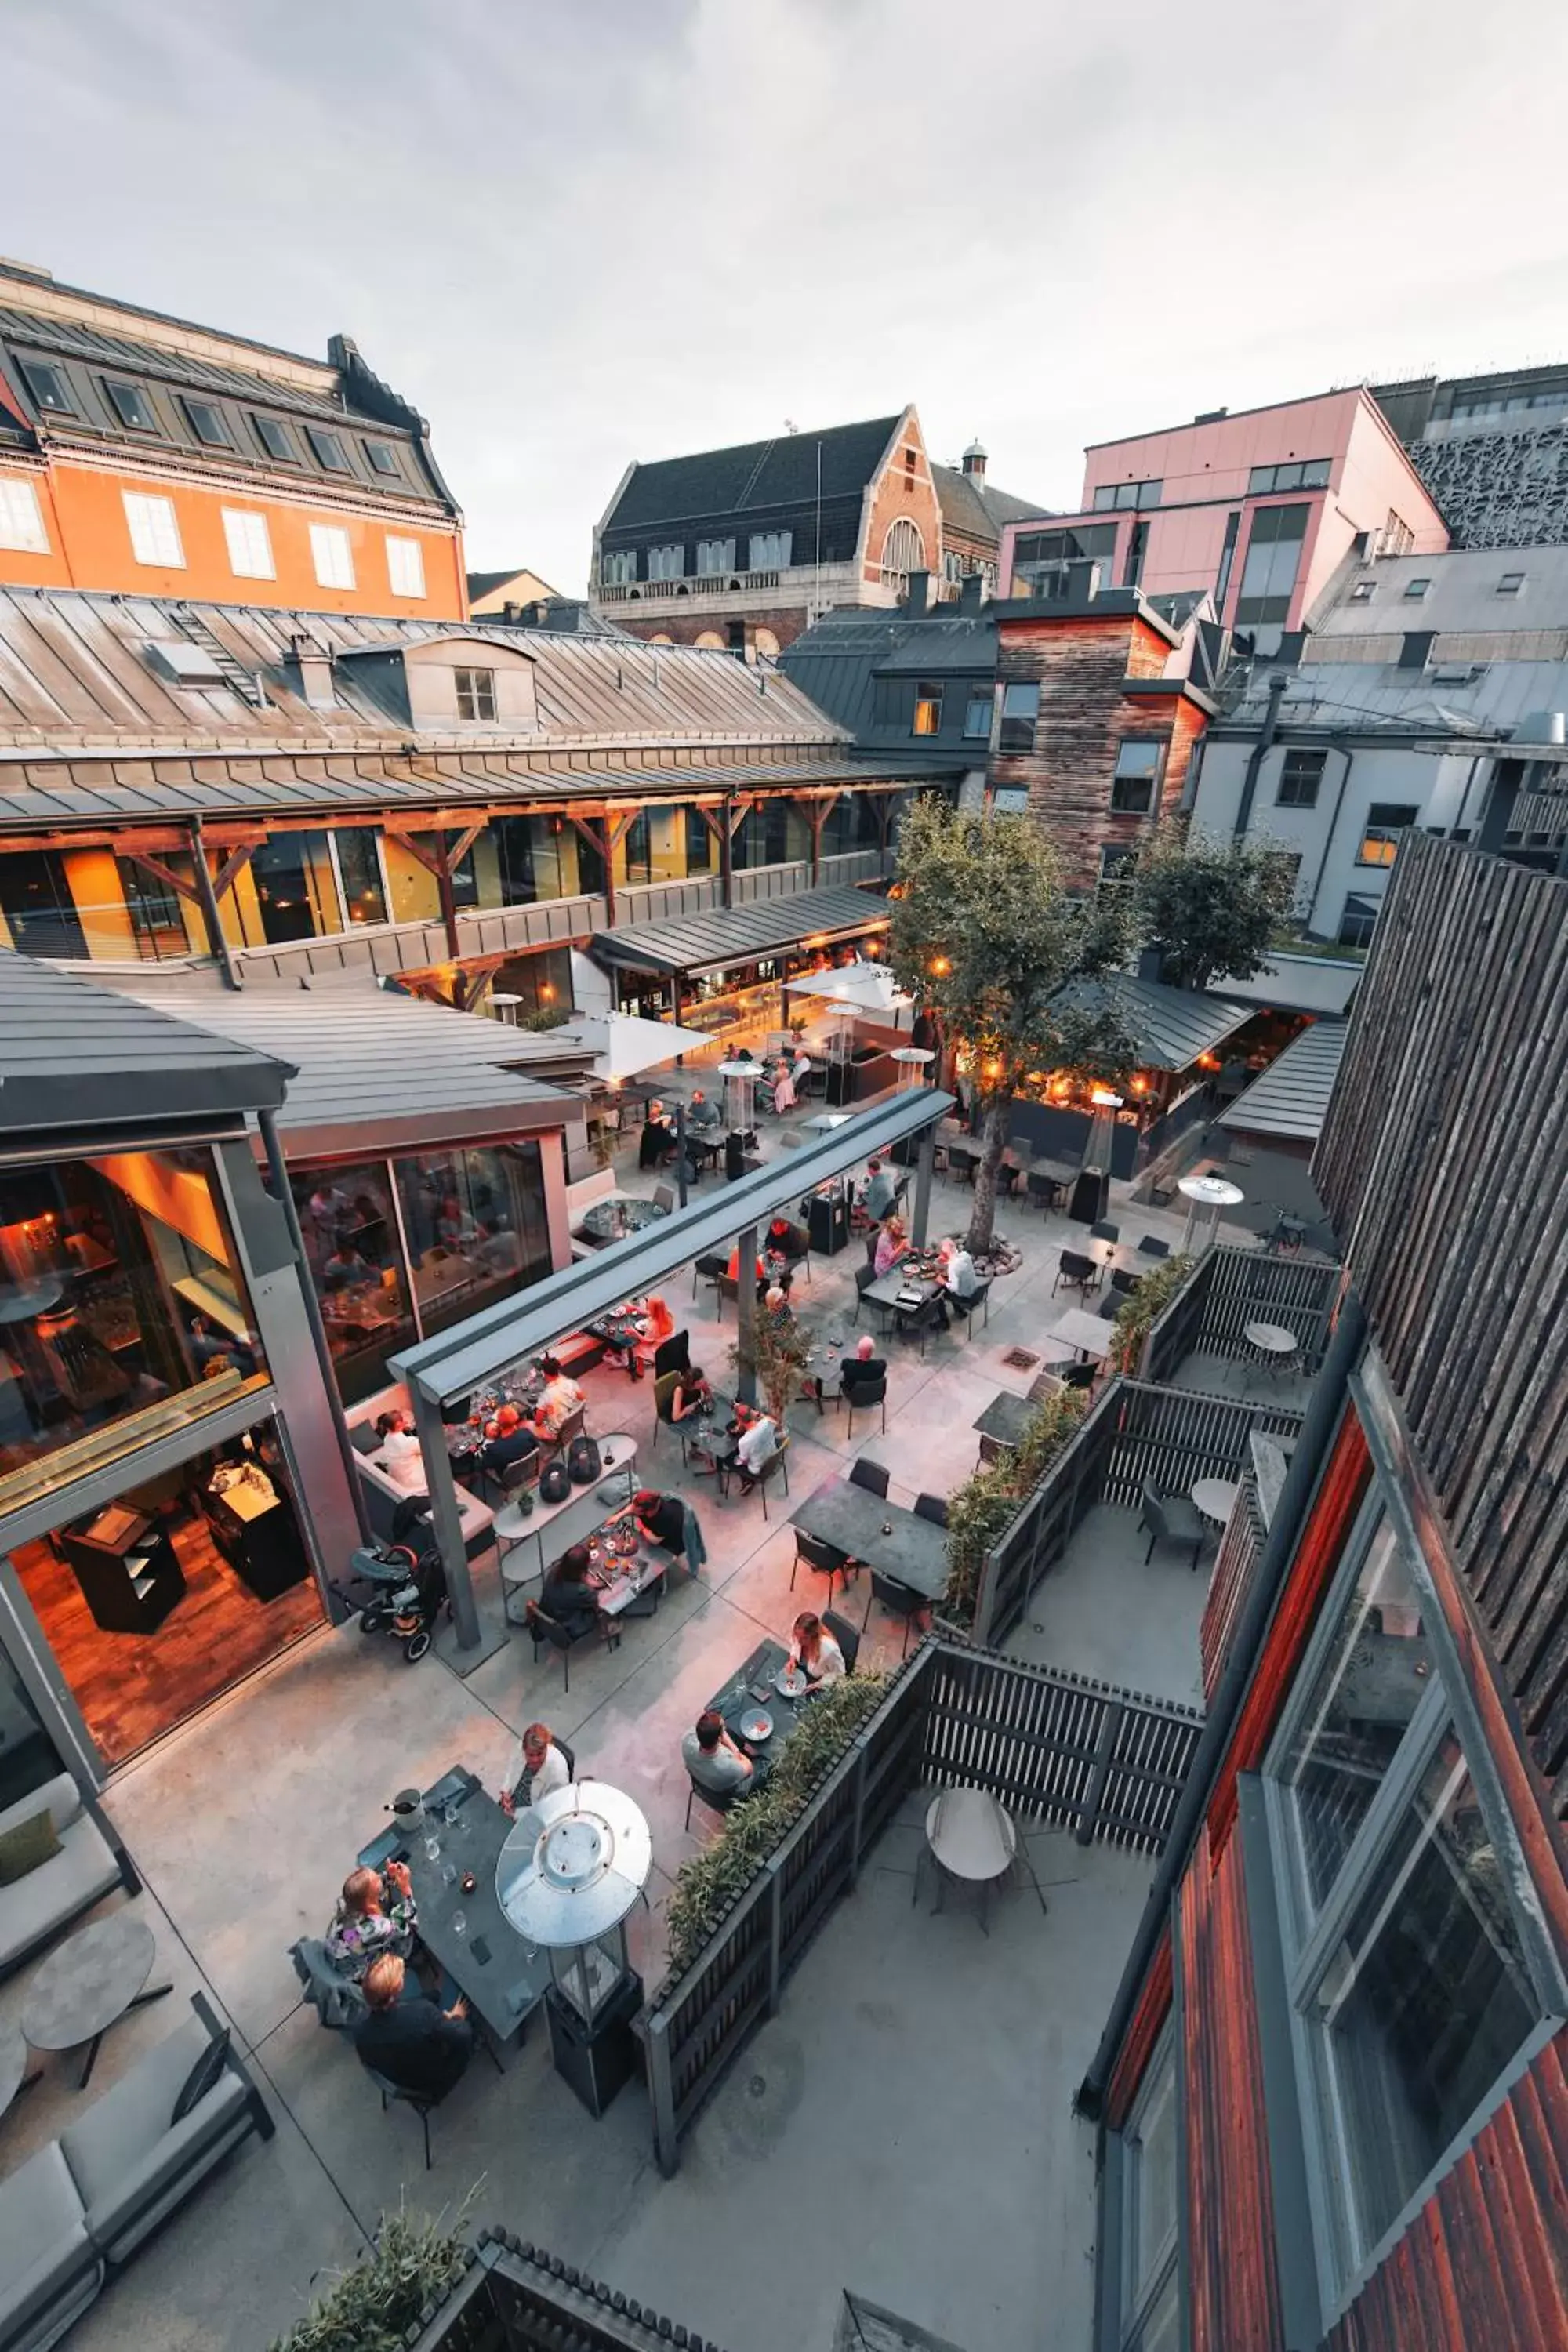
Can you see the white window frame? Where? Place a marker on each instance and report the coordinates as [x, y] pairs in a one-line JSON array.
[[332, 555], [1160, 2077], [249, 543], [21, 517], [154, 529], [617, 567], [903, 548], [404, 566]]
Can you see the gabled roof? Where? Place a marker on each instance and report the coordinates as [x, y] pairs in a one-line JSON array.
[[976, 507], [1460, 598], [1290, 1098], [753, 476], [485, 584], [725, 935], [1169, 1026]]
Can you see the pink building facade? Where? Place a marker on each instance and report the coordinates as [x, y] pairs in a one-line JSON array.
[[1262, 509]]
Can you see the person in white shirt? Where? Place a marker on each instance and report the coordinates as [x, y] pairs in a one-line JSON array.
[[561, 1398], [800, 1067], [400, 1456], [758, 1443], [814, 1650], [537, 1769], [958, 1273]]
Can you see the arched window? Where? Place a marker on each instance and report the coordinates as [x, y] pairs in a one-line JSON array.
[[711, 642], [765, 645], [903, 551]]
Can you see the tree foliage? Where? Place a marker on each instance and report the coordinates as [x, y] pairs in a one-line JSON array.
[[1211, 907], [984, 937]]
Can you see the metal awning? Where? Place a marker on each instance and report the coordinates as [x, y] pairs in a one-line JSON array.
[[725, 935], [1289, 1100], [1169, 1026]]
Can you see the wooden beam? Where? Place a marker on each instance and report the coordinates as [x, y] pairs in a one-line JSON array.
[[161, 873], [431, 860], [458, 850], [233, 865]]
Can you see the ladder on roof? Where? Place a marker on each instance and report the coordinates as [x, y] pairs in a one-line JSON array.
[[241, 681], [753, 477]]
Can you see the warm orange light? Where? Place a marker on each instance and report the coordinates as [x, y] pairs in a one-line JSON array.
[[1139, 1085], [1060, 1088], [940, 966], [992, 1069], [547, 990], [1103, 1100]]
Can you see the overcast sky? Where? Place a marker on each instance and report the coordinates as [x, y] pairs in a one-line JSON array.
[[573, 232]]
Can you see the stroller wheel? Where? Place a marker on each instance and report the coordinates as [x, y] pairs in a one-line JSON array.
[[371, 1621], [414, 1648]]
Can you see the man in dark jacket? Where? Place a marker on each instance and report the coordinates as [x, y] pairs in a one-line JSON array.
[[414, 2042]]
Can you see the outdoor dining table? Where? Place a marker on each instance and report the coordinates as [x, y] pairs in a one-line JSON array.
[[622, 1214], [1277, 1347], [1216, 1498], [739, 1698], [912, 1551], [1087, 1334], [502, 1979], [1005, 1419]]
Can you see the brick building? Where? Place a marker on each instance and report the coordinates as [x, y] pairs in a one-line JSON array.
[[1100, 698], [142, 456]]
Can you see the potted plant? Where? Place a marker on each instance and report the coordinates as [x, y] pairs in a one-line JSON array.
[[1138, 1311]]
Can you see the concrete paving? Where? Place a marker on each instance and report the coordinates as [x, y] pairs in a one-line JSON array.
[[919, 2072]]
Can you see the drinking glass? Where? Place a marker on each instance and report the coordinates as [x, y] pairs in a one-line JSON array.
[[449, 1873], [432, 1846], [459, 1923]]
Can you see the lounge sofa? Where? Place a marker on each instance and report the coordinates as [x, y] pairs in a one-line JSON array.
[[83, 2204], [33, 1909]]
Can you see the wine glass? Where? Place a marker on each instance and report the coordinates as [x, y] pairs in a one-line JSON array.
[[432, 1846], [459, 1923]]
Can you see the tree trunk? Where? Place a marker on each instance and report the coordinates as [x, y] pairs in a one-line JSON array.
[[983, 1216]]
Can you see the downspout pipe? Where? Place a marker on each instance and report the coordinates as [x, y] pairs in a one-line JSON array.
[[1349, 758], [277, 1175], [211, 919], [1266, 734], [1328, 1400]]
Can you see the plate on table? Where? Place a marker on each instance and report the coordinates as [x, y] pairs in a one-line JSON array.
[[789, 1682], [756, 1724]]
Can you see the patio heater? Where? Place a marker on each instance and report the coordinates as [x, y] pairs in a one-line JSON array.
[[1091, 1194], [740, 1098], [911, 1061], [570, 1871], [1210, 1193]]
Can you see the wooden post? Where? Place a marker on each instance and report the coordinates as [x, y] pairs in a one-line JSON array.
[[207, 899], [746, 1318], [923, 1167], [1110, 1727], [661, 2090], [727, 855]]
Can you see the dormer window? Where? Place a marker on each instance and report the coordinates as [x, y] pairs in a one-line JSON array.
[[1511, 584], [382, 455], [1415, 590], [476, 690], [329, 449], [131, 406], [1362, 594], [47, 386], [208, 424], [275, 440]]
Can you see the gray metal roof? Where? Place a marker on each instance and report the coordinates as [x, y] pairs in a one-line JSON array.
[[1300, 983], [1379, 701], [373, 1069], [977, 506], [724, 935], [1170, 1026], [1290, 1098], [792, 468], [838, 661], [1461, 598], [488, 1342], [77, 1057]]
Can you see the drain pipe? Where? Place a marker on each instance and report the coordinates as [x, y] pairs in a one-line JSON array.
[[279, 1175], [1279, 1548], [1266, 734]]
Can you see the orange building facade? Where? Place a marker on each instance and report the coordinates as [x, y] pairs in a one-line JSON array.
[[142, 456]]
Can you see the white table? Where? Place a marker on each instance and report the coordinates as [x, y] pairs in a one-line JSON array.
[[1214, 1498], [972, 1838], [1090, 1334], [1276, 1346]]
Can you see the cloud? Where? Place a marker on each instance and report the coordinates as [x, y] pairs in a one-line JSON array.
[[577, 233]]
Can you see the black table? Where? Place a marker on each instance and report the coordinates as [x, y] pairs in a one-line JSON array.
[[851, 1518], [502, 1979], [710, 1437], [1005, 1419], [609, 1221], [736, 1700]]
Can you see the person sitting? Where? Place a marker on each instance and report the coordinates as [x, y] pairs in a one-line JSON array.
[[499, 1250], [862, 1370], [342, 1268], [881, 1190], [399, 1454], [702, 1114], [784, 1241], [892, 1243], [414, 2042], [661, 1519], [732, 1271], [537, 1769], [800, 1068], [759, 1441], [782, 1090], [658, 1141], [776, 1306], [508, 1439], [814, 1650], [959, 1279], [558, 1401], [691, 1393], [369, 1923], [566, 1594], [713, 1760]]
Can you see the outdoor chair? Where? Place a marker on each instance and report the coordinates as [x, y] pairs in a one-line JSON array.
[[572, 1427], [825, 1558], [391, 2091], [899, 1600], [1153, 1246], [664, 1386], [1102, 1230], [1172, 1520], [1111, 1306], [932, 1507], [865, 1396], [1038, 1186], [337, 1999], [1080, 1376], [977, 1303], [673, 1355], [1077, 1272], [711, 1269], [869, 1475], [711, 1797], [550, 1633], [865, 1276], [848, 1637], [775, 1466], [1125, 1282], [918, 1320], [664, 1198]]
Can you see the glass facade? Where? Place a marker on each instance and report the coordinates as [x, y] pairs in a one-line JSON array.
[[351, 1247], [122, 1310]]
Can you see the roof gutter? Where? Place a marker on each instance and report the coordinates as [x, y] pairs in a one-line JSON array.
[[1295, 1499], [1266, 734]]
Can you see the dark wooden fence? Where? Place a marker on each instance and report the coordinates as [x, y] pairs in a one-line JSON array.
[[1055, 1747], [1230, 1289], [1241, 1548], [1037, 1538]]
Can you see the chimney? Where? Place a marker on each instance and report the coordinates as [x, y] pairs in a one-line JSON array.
[[971, 591], [314, 664], [974, 463], [917, 595]]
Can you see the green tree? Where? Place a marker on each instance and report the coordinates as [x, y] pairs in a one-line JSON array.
[[985, 936], [1211, 907]]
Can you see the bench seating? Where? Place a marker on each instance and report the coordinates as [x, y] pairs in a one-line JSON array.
[[89, 1865]]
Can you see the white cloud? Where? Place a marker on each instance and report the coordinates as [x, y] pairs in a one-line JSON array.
[[573, 234]]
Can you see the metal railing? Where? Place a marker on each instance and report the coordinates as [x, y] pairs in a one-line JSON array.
[[699, 585], [1053, 1747], [1230, 1289]]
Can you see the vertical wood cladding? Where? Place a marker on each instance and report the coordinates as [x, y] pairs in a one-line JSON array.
[[1081, 665], [1443, 1162], [1484, 2266], [1232, 2288]]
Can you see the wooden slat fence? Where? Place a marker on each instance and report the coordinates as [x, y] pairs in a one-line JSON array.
[[1297, 1293], [1040, 1534], [1055, 1747], [1241, 1547], [1174, 1334], [1173, 1436]]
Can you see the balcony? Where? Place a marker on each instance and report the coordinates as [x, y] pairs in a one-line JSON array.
[[816, 586]]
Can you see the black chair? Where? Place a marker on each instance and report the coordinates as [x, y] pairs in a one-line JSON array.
[[1173, 1519], [967, 1308], [1102, 1230], [390, 2090], [1153, 1246], [1111, 1306], [664, 1198], [825, 1558], [775, 1466], [845, 1636], [927, 1317], [932, 1507], [1080, 1376], [1037, 1186], [672, 1355], [710, 1797], [1079, 1272], [711, 1268], [1125, 1282], [863, 1278], [664, 1386], [869, 1475], [899, 1600], [863, 1396], [550, 1633]]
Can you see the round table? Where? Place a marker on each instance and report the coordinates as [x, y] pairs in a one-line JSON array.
[[911, 1061], [13, 2065], [972, 1838], [86, 1983], [1211, 1193], [1214, 1498], [1276, 1346]]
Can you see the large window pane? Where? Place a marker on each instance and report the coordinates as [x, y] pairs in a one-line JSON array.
[[476, 1226], [347, 1217], [296, 893], [1366, 1692], [1426, 1999], [1273, 555], [1020, 711], [359, 863], [1152, 2187]]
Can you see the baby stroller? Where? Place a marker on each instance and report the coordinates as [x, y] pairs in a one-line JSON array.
[[408, 1580]]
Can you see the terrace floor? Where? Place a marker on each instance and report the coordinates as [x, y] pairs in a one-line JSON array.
[[917, 2068]]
